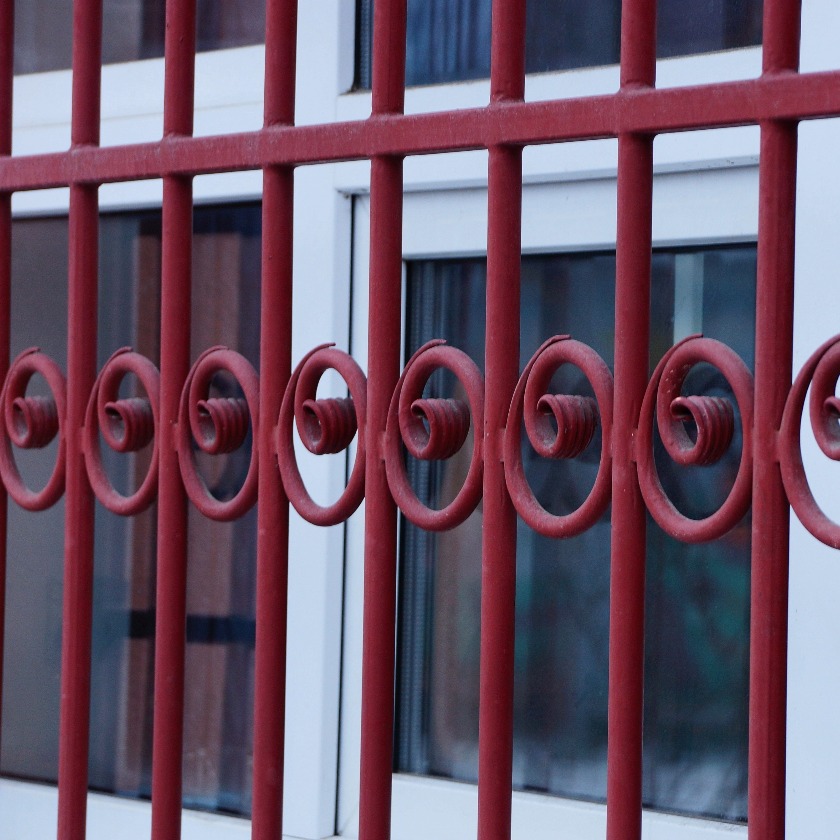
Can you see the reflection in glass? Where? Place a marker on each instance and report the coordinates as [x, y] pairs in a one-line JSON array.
[[697, 596], [131, 30], [222, 556], [449, 40]]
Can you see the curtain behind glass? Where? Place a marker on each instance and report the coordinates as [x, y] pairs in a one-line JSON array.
[[696, 668], [449, 40], [218, 739], [35, 544], [131, 30]]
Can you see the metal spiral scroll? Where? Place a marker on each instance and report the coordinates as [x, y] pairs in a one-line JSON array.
[[821, 373], [576, 420], [434, 429], [326, 426], [714, 418], [218, 425], [126, 425], [32, 423]]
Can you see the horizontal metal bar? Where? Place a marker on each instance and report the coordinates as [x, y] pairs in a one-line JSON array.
[[780, 96]]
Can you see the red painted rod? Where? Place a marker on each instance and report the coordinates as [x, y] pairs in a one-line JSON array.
[[176, 279], [170, 626], [748, 102], [628, 543], [771, 515], [380, 576], [384, 351], [77, 615], [7, 32], [498, 568], [273, 508], [773, 373], [78, 529], [627, 564], [501, 371], [275, 369]]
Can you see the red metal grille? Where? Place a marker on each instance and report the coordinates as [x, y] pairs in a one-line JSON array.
[[381, 407]]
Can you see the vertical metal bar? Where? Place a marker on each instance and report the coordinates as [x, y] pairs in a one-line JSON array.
[[176, 278], [81, 370], [7, 34], [275, 368], [632, 328], [388, 79], [773, 371], [384, 315], [498, 564]]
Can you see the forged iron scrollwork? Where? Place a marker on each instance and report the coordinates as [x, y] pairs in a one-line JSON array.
[[325, 426], [126, 425], [218, 425], [714, 418], [559, 426], [32, 422], [434, 429], [821, 372]]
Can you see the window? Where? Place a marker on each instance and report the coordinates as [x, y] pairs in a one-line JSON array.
[[450, 41], [703, 278], [220, 623], [229, 86], [698, 597], [133, 30]]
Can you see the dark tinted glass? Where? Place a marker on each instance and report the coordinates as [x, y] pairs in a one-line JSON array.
[[132, 29], [696, 669], [449, 40], [222, 556]]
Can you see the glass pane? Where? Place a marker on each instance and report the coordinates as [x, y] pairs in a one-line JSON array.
[[222, 556], [449, 40], [709, 25], [697, 596], [132, 29], [35, 545]]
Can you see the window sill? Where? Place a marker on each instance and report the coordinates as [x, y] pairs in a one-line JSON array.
[[424, 808], [29, 810]]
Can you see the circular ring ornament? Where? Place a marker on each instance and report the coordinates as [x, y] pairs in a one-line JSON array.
[[326, 426], [821, 373], [448, 425], [126, 425], [715, 428], [576, 419], [218, 425], [31, 423]]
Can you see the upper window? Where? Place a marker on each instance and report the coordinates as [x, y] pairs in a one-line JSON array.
[[449, 40], [132, 29]]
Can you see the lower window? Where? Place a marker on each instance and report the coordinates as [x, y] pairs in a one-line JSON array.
[[697, 600], [222, 556]]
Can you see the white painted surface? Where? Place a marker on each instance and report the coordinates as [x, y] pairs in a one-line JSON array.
[[813, 743], [29, 811]]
